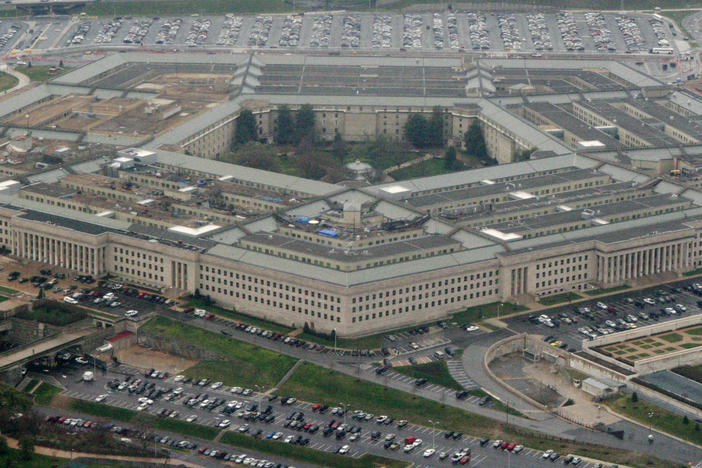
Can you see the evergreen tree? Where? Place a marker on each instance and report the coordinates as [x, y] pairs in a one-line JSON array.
[[435, 129], [3, 446], [304, 124], [339, 147], [245, 127], [475, 142], [416, 130], [634, 397], [26, 445], [686, 420], [285, 132], [450, 161]]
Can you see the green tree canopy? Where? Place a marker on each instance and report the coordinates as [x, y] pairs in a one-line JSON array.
[[475, 143], [339, 147], [304, 124], [285, 130], [435, 129], [416, 129], [245, 127]]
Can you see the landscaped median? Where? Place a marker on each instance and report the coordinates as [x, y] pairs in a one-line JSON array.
[[45, 393], [297, 452], [229, 360], [317, 384]]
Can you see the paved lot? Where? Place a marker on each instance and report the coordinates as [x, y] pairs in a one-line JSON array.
[[578, 32], [482, 456], [569, 334]]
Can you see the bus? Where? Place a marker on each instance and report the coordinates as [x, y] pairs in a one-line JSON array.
[[662, 50]]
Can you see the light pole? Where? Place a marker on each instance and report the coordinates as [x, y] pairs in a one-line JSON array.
[[345, 406], [260, 396], [334, 339], [433, 433]]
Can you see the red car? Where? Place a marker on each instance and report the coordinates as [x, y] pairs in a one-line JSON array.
[[504, 445], [464, 460], [410, 440], [511, 446], [210, 316], [201, 450], [316, 406], [307, 426]]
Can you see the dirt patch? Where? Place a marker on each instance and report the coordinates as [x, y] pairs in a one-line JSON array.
[[145, 358]]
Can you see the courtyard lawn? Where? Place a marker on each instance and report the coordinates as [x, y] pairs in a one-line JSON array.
[[691, 372], [600, 291], [7, 81], [241, 363], [671, 337]]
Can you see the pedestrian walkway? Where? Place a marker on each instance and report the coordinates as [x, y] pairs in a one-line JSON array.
[[456, 370]]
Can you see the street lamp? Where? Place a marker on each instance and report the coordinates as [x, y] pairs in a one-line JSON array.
[[433, 433], [260, 396], [334, 338], [345, 406]]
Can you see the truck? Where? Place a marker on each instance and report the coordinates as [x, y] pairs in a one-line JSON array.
[[88, 376]]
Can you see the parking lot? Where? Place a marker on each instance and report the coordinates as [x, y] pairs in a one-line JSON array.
[[571, 324], [363, 432], [586, 32]]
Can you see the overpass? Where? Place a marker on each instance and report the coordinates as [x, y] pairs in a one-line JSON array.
[[46, 347]]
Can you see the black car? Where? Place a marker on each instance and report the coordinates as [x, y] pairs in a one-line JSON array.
[[484, 442], [420, 382]]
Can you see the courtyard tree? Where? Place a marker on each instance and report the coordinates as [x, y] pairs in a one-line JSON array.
[[435, 128], [475, 143], [304, 124], [416, 130], [285, 129], [245, 127], [339, 147], [450, 161]]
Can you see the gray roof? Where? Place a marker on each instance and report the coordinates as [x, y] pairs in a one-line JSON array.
[[256, 176]]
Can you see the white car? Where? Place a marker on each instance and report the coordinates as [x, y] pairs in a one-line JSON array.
[[69, 300], [277, 435], [100, 398], [131, 313], [472, 328], [224, 423], [191, 418], [417, 442], [429, 452], [237, 390], [602, 305], [414, 345], [178, 378], [216, 385], [547, 454], [344, 449], [142, 407], [288, 439], [81, 360]]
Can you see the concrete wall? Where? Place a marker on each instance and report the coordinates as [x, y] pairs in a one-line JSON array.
[[595, 370], [648, 330]]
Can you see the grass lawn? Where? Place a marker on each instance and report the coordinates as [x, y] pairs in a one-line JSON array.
[[427, 168], [689, 345], [481, 312], [559, 298], [239, 316], [39, 72], [365, 342], [691, 372], [7, 81], [671, 337], [242, 363], [597, 292], [45, 393], [435, 372], [307, 454], [694, 331], [53, 314], [496, 404], [125, 415], [696, 272], [677, 17], [316, 384], [6, 290], [32, 383], [561, 4], [183, 7], [14, 458], [662, 419]]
